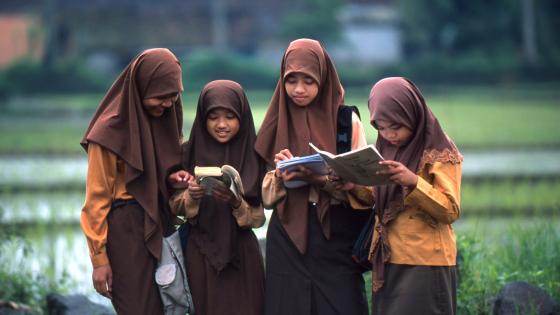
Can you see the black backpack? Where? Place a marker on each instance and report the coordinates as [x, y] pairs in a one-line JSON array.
[[360, 251], [344, 128]]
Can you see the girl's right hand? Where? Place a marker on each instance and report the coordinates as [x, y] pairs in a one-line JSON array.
[[195, 190], [179, 180], [102, 277], [284, 154]]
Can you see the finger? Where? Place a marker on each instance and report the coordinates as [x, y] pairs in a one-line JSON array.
[[390, 163], [287, 153]]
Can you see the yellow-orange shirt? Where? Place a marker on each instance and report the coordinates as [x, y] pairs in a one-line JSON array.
[[105, 183], [422, 234]]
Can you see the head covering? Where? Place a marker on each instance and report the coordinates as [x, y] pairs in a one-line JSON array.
[[287, 125], [149, 146], [217, 237], [398, 100]]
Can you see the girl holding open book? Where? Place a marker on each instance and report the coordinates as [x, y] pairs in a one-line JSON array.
[[223, 258], [132, 142], [413, 249], [309, 269]]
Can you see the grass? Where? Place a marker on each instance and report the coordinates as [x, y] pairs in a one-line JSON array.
[[495, 253], [523, 252], [475, 117]]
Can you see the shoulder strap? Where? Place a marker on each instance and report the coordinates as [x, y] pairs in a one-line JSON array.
[[344, 128]]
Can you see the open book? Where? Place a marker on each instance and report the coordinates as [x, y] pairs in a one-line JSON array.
[[210, 176], [357, 166], [313, 162]]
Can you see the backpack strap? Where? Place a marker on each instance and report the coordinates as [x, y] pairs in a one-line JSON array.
[[344, 128]]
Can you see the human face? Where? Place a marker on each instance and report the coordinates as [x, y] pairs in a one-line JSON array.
[[222, 124], [301, 88], [397, 134], [156, 106]]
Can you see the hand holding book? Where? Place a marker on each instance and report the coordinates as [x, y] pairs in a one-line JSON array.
[[300, 171], [220, 182]]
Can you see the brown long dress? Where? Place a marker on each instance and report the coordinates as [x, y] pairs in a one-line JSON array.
[[224, 261], [131, 234], [309, 269], [417, 285]]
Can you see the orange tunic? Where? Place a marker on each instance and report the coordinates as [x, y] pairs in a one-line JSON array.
[[422, 234], [105, 183]]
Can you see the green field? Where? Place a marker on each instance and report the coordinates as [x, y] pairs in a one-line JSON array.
[[475, 117]]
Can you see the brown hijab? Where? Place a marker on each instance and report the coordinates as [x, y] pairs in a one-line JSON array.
[[398, 100], [287, 125], [149, 146], [216, 237]]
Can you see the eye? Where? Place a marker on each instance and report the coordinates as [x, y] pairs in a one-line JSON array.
[[309, 81], [230, 116], [212, 116], [395, 127]]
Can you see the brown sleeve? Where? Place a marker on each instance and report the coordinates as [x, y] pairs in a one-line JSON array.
[[273, 190], [181, 203], [247, 216], [102, 171]]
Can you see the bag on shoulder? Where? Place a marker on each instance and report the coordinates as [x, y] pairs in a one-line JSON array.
[[171, 278], [360, 251]]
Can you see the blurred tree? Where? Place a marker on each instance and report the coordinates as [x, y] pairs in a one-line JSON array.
[[312, 19], [452, 27], [516, 30]]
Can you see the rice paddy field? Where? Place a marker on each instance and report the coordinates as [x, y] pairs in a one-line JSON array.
[[509, 228], [474, 116]]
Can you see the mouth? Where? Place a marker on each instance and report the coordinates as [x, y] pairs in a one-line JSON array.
[[300, 98], [222, 133]]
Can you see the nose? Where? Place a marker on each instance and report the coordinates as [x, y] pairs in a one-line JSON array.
[[221, 123], [300, 88], [167, 102], [387, 134]]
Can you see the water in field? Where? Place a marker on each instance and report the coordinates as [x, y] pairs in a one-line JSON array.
[[41, 198]]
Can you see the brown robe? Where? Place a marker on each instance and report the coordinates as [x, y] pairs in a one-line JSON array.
[[398, 100], [150, 148], [224, 261], [309, 269]]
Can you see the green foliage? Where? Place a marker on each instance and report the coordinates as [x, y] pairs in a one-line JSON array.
[[314, 19], [205, 66], [523, 253], [503, 198], [31, 77], [20, 283]]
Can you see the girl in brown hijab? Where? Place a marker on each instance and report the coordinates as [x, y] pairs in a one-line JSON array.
[[133, 141], [413, 248], [309, 269], [223, 257]]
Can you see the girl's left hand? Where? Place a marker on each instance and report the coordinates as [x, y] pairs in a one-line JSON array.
[[399, 173], [221, 192], [304, 174], [340, 184]]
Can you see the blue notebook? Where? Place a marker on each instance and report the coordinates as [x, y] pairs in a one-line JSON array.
[[313, 162]]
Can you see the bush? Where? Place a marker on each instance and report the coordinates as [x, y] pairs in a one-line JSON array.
[[18, 281], [204, 66], [30, 77]]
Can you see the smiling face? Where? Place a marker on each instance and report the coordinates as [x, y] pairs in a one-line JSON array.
[[156, 106], [222, 124], [396, 134], [301, 88]]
